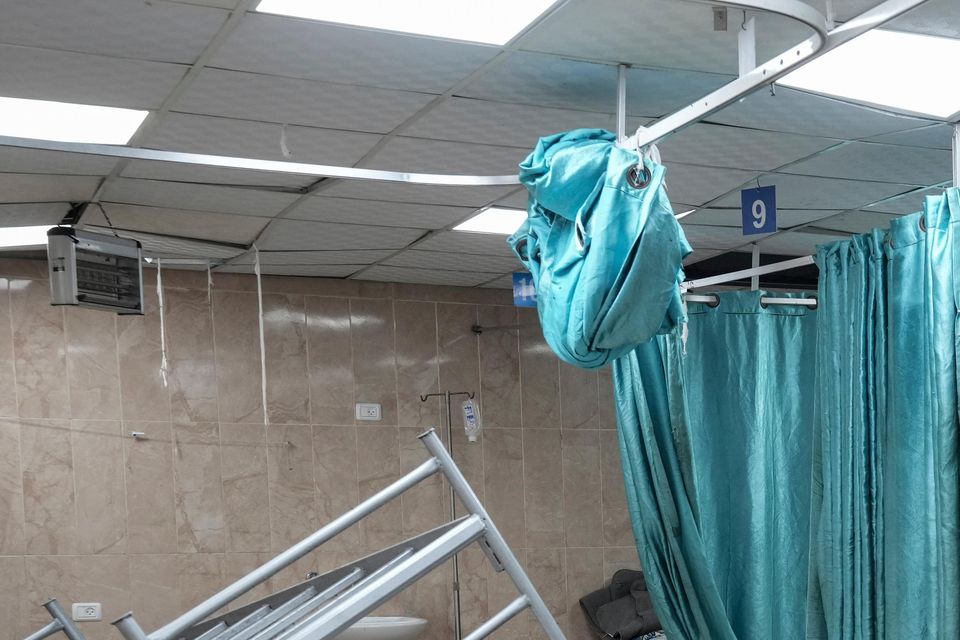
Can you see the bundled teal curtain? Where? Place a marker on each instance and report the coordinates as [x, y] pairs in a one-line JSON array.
[[885, 537]]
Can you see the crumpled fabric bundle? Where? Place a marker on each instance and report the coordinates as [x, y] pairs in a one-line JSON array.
[[602, 245]]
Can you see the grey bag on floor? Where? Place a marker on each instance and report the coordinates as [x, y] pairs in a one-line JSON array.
[[623, 610]]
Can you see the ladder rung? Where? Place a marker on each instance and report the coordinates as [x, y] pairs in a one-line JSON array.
[[276, 614], [501, 618], [243, 623], [313, 603], [212, 632]]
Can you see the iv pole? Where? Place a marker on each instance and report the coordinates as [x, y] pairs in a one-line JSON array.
[[447, 395]]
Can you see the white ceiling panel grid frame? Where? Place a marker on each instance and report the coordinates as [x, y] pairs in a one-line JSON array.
[[308, 270], [416, 193], [297, 48], [198, 197], [437, 156], [41, 74], [156, 30], [169, 246], [786, 218], [797, 243], [414, 258], [25, 187], [304, 258], [907, 203], [808, 192], [936, 136], [736, 147], [294, 101], [176, 172], [27, 215], [711, 237], [301, 235], [16, 160], [792, 111], [463, 242], [879, 162], [856, 221], [935, 18], [424, 276], [393, 214], [698, 185], [204, 225]]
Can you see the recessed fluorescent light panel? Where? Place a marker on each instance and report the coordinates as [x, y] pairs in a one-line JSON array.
[[65, 122], [494, 220], [905, 72], [486, 21], [23, 236]]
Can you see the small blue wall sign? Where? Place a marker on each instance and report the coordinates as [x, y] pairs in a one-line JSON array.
[[759, 207], [524, 293]]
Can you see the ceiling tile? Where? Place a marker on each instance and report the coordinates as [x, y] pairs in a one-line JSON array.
[[198, 197], [505, 282], [872, 161], [374, 212], [332, 257], [158, 31], [303, 102], [797, 243], [309, 270], [700, 255], [935, 18], [794, 111], [25, 187], [786, 218], [712, 237], [182, 172], [500, 123], [908, 203], [517, 200], [300, 235], [158, 246], [18, 160], [416, 193], [856, 221], [423, 276], [335, 53], [696, 185], [735, 147], [453, 261], [220, 227], [806, 192], [26, 215], [489, 244], [435, 156], [42, 74], [248, 139], [936, 136]]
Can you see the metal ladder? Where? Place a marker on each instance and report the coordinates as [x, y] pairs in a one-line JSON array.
[[325, 605]]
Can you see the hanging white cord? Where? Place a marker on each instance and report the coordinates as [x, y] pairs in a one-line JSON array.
[[163, 332], [263, 347], [209, 284], [284, 149]]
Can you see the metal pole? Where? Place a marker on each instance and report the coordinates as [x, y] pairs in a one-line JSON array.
[[956, 154], [776, 267], [754, 263], [457, 626], [747, 45], [621, 102], [500, 619]]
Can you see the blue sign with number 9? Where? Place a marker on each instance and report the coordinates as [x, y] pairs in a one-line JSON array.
[[759, 207]]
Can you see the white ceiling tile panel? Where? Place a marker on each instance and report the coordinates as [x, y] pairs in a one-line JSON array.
[[334, 53], [198, 197], [221, 227], [710, 237], [937, 136], [25, 187], [374, 212], [423, 276], [178, 172], [908, 203], [661, 33], [699, 255], [735, 147], [157, 246], [517, 200], [797, 243], [436, 156], [248, 139], [158, 31], [222, 4], [506, 282], [453, 261], [309, 270], [517, 125], [304, 102], [488, 244], [334, 257], [794, 111], [873, 161], [42, 74], [935, 18], [806, 192], [26, 215], [856, 221], [300, 235], [697, 185], [786, 218], [416, 193], [35, 161]]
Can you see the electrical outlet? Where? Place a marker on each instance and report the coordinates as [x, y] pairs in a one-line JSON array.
[[87, 611], [368, 411]]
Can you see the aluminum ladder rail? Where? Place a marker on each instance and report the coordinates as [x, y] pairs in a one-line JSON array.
[[324, 606]]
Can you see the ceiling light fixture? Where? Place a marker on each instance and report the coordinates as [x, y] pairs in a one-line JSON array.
[[66, 122], [494, 220], [24, 236], [489, 21], [906, 72]]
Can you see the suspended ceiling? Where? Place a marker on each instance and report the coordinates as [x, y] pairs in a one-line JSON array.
[[221, 79]]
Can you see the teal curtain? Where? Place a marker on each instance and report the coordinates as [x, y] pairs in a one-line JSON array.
[[885, 537]]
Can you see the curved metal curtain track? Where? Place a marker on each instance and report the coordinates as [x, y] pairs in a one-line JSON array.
[[819, 43]]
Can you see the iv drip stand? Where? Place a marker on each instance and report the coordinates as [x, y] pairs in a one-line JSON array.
[[446, 395]]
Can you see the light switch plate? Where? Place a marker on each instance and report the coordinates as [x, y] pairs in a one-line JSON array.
[[368, 411], [87, 611]]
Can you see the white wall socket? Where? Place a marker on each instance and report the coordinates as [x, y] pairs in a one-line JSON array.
[[87, 611], [368, 411]]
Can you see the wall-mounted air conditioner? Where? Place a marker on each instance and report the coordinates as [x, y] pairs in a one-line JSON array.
[[95, 270]]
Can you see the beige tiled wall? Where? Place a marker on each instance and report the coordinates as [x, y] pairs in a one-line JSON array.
[[89, 514]]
